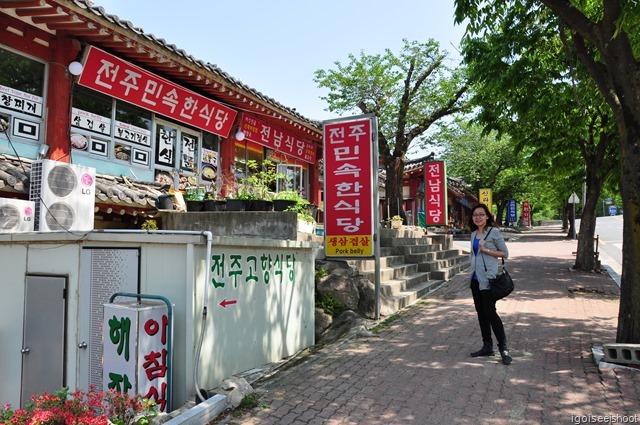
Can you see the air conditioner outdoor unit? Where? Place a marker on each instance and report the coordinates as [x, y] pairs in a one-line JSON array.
[[64, 195], [16, 215]]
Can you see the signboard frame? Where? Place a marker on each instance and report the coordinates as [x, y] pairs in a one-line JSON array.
[[342, 168]]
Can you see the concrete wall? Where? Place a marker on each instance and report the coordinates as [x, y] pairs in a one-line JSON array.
[[268, 286], [261, 224]]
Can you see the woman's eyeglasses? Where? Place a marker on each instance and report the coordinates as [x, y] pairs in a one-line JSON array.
[[479, 215]]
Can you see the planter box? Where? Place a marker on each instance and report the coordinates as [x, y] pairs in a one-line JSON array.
[[238, 204], [195, 205], [283, 204], [262, 205], [214, 205]]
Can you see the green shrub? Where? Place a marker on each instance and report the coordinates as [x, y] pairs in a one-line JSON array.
[[329, 304]]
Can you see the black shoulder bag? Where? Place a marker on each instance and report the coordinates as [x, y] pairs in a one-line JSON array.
[[502, 285]]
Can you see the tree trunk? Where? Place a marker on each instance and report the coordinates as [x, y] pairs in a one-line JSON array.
[[629, 315], [585, 259], [394, 168], [500, 214]]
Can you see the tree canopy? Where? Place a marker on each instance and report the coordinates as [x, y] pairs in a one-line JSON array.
[[407, 91], [603, 35]]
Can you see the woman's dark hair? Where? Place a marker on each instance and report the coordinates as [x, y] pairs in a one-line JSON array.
[[484, 208]]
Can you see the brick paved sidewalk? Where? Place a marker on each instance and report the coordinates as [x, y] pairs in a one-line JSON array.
[[417, 370]]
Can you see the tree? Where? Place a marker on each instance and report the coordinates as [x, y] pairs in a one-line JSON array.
[[486, 160], [528, 84], [408, 93], [604, 35]]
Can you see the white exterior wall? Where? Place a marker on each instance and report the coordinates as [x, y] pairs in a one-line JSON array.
[[267, 322]]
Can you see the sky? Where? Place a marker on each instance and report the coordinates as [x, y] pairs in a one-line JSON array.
[[276, 46]]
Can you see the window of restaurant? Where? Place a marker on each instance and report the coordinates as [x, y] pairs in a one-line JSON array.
[[246, 151], [104, 127], [296, 172], [22, 93], [177, 148], [127, 134]]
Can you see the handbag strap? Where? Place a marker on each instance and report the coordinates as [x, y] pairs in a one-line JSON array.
[[482, 255]]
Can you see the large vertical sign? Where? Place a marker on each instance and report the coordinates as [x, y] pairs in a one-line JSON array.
[[526, 213], [350, 162], [136, 351], [435, 186], [512, 211], [485, 198]]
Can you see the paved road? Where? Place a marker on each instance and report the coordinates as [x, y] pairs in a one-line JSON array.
[[417, 370]]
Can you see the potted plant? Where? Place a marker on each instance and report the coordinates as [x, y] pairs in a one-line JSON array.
[[285, 199], [213, 203], [396, 222], [242, 200], [192, 199], [262, 179]]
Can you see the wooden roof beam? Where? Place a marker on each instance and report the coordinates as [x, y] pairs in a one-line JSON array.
[[38, 11]]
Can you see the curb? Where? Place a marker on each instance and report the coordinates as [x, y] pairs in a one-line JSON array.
[[202, 413]]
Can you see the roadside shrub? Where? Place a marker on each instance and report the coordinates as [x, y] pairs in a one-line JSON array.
[[86, 408]]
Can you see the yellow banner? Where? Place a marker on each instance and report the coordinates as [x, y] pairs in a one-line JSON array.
[[485, 197], [349, 245]]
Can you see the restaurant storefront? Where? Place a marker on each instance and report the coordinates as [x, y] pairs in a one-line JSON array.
[[76, 88]]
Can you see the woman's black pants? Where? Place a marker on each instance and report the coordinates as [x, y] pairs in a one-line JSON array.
[[488, 316]]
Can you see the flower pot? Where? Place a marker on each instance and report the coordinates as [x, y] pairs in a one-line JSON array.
[[262, 205], [396, 224], [283, 204], [238, 204], [214, 205], [193, 206]]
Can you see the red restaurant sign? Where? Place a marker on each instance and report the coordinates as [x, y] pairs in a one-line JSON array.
[[115, 77], [261, 132], [526, 213], [348, 187], [435, 183]]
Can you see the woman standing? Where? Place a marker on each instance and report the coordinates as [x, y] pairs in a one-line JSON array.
[[487, 245]]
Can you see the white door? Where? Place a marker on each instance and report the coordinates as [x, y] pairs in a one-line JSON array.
[[103, 272], [44, 336]]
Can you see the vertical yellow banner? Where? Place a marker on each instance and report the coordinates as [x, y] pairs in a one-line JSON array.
[[485, 197]]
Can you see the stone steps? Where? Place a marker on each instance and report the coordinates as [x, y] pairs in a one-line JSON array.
[[412, 264]]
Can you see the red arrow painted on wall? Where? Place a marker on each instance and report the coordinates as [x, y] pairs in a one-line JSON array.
[[225, 303]]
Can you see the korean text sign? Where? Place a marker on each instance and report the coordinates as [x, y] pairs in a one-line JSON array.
[[136, 352], [526, 213], [485, 197], [272, 137], [435, 179], [512, 210], [348, 187], [115, 77]]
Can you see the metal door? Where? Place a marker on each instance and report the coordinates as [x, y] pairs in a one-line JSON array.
[[103, 272], [44, 336]]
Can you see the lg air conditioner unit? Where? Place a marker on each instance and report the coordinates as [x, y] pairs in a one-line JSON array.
[[64, 195], [16, 215]]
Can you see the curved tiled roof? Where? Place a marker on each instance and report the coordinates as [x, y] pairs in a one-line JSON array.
[[163, 44]]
